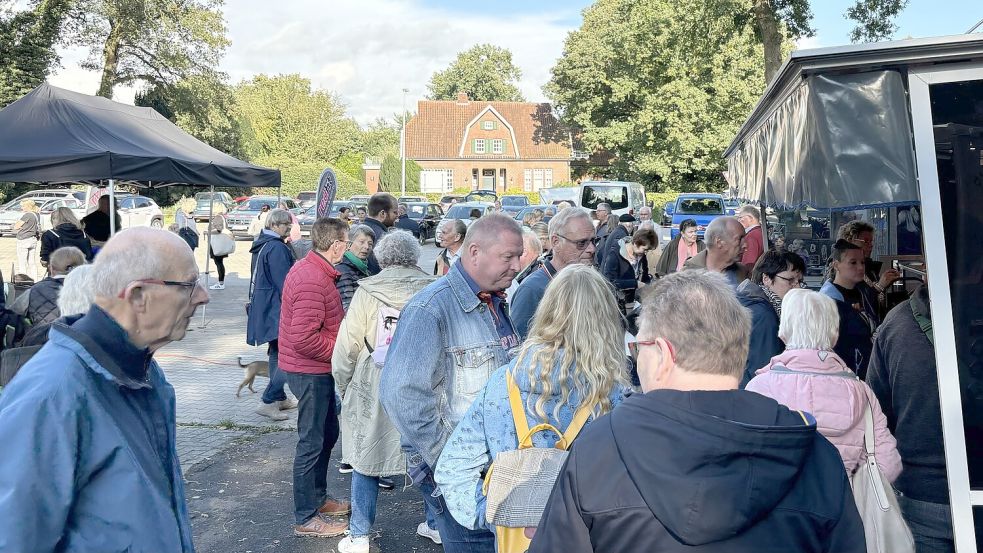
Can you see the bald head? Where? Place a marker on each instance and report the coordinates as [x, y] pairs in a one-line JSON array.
[[141, 253], [721, 228], [725, 242]]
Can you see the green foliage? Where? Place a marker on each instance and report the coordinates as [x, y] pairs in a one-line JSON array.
[[351, 165], [381, 138], [154, 41], [391, 174], [27, 46], [662, 85], [659, 200], [485, 72], [565, 184], [875, 19], [297, 177]]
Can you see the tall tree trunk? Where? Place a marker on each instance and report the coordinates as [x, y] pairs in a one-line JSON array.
[[110, 60], [771, 36]]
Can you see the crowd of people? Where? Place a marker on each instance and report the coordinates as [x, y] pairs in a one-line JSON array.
[[704, 397]]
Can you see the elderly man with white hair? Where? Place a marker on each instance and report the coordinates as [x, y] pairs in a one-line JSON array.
[[88, 424], [532, 248], [572, 240]]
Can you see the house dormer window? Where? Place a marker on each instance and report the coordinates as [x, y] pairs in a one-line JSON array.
[[498, 146], [479, 146], [489, 125]]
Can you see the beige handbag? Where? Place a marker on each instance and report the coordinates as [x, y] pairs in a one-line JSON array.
[[884, 526], [520, 481]]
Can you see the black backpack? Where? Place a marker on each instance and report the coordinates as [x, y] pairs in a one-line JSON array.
[[190, 236]]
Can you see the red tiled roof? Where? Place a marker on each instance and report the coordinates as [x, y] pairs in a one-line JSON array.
[[438, 128]]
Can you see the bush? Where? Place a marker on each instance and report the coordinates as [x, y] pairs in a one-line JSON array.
[[297, 177], [659, 200]]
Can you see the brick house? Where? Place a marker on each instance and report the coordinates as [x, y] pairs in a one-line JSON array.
[[487, 145]]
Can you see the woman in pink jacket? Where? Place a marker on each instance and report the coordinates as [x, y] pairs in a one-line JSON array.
[[809, 377]]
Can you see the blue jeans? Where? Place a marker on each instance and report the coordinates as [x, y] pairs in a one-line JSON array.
[[317, 430], [454, 537], [930, 524], [365, 495], [274, 389]]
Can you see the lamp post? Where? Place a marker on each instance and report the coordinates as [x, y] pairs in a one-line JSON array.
[[402, 148]]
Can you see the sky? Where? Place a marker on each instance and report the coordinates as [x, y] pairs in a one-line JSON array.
[[368, 51]]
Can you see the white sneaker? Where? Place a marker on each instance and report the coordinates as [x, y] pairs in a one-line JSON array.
[[287, 404], [217, 286], [354, 545], [430, 533], [271, 410]]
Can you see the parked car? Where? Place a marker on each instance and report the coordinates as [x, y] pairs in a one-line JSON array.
[[702, 208], [447, 201], [412, 199], [308, 216], [465, 210], [732, 205], [513, 204], [623, 197], [202, 207], [239, 219], [307, 196], [481, 196], [362, 198], [140, 211], [10, 212], [427, 215], [76, 205], [548, 212]]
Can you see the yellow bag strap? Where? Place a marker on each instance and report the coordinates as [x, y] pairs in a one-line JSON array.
[[522, 429]]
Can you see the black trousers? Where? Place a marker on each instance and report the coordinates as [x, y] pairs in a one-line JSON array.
[[317, 430], [219, 266]]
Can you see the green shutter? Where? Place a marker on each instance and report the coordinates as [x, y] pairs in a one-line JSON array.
[[474, 147]]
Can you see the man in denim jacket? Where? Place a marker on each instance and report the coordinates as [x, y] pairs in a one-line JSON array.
[[451, 336]]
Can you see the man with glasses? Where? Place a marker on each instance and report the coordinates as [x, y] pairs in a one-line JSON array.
[[572, 240], [773, 276], [272, 259], [88, 424], [750, 218], [693, 462], [309, 321]]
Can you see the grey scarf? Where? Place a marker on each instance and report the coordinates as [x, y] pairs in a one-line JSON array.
[[776, 302]]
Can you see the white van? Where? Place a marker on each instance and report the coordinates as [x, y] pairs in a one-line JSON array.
[[624, 197]]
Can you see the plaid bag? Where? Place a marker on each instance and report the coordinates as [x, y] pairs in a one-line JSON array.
[[519, 482]]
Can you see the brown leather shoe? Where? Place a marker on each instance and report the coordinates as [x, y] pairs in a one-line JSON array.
[[318, 527], [335, 507]]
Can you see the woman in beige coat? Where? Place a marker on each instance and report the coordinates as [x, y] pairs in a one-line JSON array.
[[371, 442]]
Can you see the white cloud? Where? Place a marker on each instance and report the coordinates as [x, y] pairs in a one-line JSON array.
[[808, 42], [366, 51]]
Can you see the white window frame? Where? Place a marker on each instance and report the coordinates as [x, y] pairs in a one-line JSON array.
[[498, 146], [547, 178], [962, 497], [488, 125], [527, 180], [449, 180], [479, 146]]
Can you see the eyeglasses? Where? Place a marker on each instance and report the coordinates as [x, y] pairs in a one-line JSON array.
[[191, 286], [347, 243], [793, 282], [582, 244], [672, 350]]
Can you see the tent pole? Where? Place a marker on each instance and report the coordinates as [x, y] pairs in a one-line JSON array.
[[208, 247], [112, 207]]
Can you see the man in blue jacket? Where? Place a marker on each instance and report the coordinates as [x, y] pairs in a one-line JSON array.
[[693, 463], [89, 461], [271, 262]]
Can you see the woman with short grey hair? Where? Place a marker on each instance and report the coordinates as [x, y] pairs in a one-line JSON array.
[[354, 266], [371, 442]]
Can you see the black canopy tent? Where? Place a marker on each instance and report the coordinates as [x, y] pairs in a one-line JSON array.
[[52, 135]]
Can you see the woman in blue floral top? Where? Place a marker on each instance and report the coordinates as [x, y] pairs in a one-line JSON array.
[[574, 355]]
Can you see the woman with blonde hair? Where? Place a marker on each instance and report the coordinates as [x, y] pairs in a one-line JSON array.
[[66, 230], [573, 357], [810, 377]]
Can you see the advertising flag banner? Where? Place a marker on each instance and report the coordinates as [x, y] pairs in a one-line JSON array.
[[327, 188]]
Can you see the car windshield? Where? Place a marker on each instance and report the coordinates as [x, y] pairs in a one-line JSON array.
[[255, 204], [614, 194], [460, 211], [416, 211], [700, 206], [205, 196], [515, 200], [448, 199]]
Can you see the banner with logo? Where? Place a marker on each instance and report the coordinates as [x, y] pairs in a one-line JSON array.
[[327, 188]]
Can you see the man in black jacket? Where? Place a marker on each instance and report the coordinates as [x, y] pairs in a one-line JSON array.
[[382, 213], [694, 463]]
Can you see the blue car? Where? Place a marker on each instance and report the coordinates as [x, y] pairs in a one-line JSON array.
[[702, 208]]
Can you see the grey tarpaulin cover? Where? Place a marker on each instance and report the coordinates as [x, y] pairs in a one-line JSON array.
[[836, 142], [55, 135]]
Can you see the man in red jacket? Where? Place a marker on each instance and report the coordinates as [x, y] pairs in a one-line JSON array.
[[310, 316]]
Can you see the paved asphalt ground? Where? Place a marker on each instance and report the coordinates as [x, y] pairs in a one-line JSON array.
[[237, 464]]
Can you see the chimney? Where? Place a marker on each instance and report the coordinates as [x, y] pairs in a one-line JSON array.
[[462, 98], [372, 169]]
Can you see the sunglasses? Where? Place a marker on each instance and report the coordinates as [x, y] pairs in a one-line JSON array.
[[582, 244]]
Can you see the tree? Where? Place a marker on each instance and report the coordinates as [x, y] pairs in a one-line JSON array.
[[661, 86], [485, 72], [391, 175], [778, 20], [155, 41], [27, 44]]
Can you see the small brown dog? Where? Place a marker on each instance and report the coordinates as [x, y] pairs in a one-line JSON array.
[[254, 369]]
